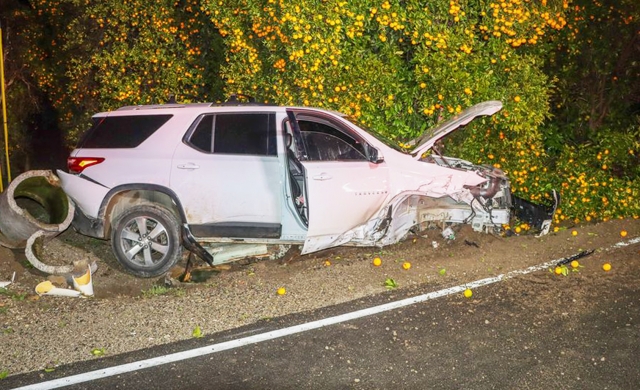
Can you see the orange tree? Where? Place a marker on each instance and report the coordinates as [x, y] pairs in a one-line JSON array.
[[594, 137], [93, 55], [400, 67]]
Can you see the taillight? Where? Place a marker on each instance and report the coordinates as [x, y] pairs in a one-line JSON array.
[[78, 164]]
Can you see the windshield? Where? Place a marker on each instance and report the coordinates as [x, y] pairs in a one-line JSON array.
[[385, 140]]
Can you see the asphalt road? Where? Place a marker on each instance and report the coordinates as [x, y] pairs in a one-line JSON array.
[[536, 331]]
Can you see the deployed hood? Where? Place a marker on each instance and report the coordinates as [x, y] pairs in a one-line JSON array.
[[430, 137]]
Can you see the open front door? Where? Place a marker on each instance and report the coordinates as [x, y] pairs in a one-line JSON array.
[[344, 189]]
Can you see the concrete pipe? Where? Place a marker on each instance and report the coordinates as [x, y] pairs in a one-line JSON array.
[[33, 201]]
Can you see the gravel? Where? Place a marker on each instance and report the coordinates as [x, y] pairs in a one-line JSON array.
[[41, 332]]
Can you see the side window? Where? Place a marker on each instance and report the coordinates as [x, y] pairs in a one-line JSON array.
[[326, 143], [202, 137], [121, 132], [245, 133]]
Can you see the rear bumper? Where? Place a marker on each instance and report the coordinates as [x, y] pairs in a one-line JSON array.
[[92, 227], [87, 196]]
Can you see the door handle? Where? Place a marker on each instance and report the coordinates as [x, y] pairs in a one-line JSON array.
[[188, 166], [322, 176]]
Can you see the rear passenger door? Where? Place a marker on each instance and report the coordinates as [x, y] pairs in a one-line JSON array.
[[227, 176]]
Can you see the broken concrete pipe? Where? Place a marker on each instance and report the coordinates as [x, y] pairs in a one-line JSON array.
[[33, 202]]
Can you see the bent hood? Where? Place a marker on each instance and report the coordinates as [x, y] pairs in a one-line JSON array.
[[430, 137]]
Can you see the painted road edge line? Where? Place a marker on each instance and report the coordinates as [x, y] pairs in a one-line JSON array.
[[184, 355]]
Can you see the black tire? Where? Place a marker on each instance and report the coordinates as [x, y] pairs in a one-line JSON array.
[[146, 240]]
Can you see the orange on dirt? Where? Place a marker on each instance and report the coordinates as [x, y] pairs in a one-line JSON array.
[[377, 262], [281, 291], [406, 265], [574, 233], [468, 293], [327, 263], [623, 233], [575, 264], [606, 267]]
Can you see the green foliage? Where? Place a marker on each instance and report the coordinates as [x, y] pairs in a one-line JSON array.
[[594, 138], [399, 68], [197, 332], [567, 73], [90, 56], [390, 284]]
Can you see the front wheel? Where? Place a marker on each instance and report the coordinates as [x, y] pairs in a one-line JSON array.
[[146, 240]]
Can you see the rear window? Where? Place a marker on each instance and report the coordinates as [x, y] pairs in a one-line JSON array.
[[121, 132]]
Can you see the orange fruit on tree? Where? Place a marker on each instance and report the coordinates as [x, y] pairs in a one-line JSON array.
[[558, 270], [575, 264]]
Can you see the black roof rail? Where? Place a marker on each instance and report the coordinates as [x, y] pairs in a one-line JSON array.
[[234, 100]]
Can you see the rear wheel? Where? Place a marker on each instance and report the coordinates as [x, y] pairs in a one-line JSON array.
[[146, 240]]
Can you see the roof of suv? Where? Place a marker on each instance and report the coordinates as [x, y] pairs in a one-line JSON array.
[[232, 101]]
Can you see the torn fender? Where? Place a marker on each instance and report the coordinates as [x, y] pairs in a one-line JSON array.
[[414, 209]]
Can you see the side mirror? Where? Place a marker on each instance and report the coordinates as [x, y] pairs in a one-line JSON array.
[[375, 156]]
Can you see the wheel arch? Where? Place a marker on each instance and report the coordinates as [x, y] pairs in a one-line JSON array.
[[122, 197]]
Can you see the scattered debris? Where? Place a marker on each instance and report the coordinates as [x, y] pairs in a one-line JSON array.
[[49, 269], [471, 243], [577, 256], [51, 211], [47, 288], [5, 284], [448, 234], [538, 216], [82, 280]]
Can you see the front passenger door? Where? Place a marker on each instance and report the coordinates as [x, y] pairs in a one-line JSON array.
[[344, 188]]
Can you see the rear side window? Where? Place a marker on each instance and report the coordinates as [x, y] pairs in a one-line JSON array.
[[246, 133], [121, 132]]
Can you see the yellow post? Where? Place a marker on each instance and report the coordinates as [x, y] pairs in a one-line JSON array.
[[4, 116]]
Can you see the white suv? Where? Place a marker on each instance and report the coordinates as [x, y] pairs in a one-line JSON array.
[[236, 179]]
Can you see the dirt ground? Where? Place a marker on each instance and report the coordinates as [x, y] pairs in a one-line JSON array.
[[470, 251], [128, 313]]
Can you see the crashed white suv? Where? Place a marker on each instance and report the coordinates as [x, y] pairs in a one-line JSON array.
[[236, 180]]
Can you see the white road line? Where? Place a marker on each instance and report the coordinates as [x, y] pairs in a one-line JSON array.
[[178, 356]]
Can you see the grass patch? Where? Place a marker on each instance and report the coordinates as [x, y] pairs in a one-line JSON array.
[[159, 290], [13, 295]]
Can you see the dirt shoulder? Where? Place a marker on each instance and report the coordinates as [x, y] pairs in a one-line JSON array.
[[129, 313]]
